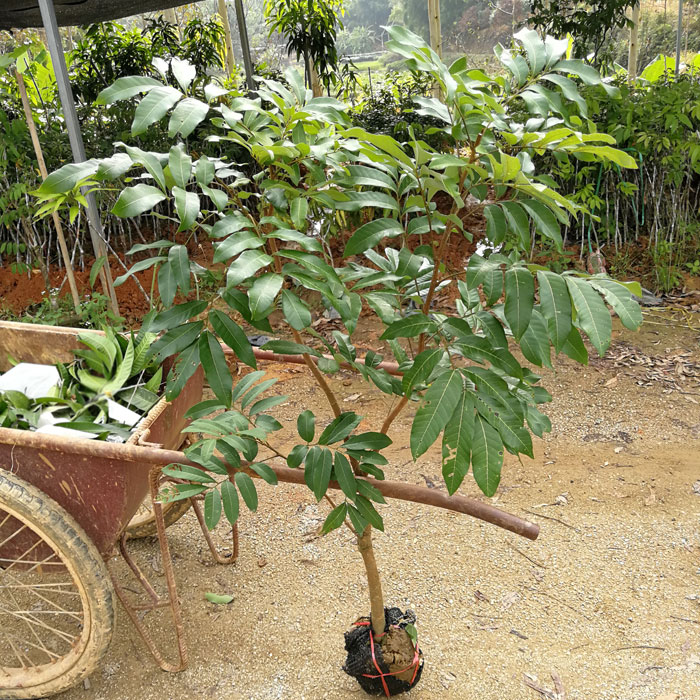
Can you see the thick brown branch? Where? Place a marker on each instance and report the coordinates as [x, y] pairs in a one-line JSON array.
[[159, 457]]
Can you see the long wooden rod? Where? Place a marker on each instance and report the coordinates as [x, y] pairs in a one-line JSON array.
[[44, 174], [159, 457]]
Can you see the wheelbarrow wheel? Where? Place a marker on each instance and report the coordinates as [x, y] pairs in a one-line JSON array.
[[56, 596]]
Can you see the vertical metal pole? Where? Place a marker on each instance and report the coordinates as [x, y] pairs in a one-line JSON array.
[[53, 40], [245, 45], [678, 37]]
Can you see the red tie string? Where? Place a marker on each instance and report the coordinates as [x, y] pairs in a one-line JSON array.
[[414, 665]]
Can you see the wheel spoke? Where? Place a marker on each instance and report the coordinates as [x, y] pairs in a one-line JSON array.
[[14, 534], [29, 617], [40, 647], [45, 587], [17, 654], [31, 588], [45, 562], [24, 620], [21, 559]]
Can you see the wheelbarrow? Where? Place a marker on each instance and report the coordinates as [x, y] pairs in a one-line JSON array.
[[67, 507]]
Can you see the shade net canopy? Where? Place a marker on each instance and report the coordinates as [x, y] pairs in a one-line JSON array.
[[19, 14]]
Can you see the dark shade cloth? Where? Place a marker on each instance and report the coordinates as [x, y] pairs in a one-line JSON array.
[[19, 14]]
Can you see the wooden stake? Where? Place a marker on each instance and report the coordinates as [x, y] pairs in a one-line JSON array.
[[44, 174], [435, 35], [435, 26], [634, 43], [230, 59]]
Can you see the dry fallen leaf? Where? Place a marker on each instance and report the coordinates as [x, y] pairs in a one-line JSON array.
[[509, 599]]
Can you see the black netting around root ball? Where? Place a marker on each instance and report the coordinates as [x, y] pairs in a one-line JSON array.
[[360, 665]]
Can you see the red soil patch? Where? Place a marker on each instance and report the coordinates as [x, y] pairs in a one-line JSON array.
[[19, 292]]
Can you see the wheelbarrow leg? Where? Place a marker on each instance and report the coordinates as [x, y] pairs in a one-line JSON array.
[[172, 599], [212, 547]]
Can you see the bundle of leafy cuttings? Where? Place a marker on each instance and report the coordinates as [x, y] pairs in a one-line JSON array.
[[112, 383]]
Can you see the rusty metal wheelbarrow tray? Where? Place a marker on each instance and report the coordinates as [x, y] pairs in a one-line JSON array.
[[102, 491]]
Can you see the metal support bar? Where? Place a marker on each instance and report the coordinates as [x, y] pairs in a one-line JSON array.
[[53, 40], [245, 45]]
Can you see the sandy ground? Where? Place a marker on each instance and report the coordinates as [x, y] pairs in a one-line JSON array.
[[604, 606]]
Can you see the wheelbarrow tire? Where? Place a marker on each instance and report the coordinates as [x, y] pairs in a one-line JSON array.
[[85, 578], [143, 524]]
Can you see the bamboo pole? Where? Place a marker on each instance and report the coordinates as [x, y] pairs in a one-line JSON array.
[[634, 43], [44, 174], [230, 58], [435, 36], [679, 34], [435, 26]]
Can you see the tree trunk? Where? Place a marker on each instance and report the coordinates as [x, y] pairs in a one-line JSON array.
[[374, 582], [315, 81], [634, 43], [230, 59], [30, 240]]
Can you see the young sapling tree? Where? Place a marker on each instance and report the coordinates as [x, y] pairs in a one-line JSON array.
[[302, 165]]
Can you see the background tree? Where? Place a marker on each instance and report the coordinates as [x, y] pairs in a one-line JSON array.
[[590, 23], [310, 28]]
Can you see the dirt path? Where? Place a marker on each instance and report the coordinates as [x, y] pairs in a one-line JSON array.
[[605, 605]]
